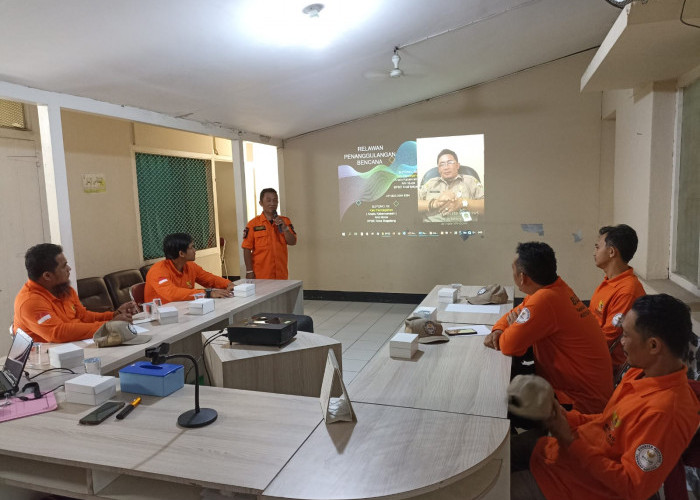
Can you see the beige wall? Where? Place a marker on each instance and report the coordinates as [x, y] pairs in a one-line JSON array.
[[543, 165], [105, 225], [226, 207]]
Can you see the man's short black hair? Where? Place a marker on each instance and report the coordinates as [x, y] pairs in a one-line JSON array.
[[41, 258], [175, 243], [667, 319], [622, 237], [267, 190], [447, 152], [537, 260]]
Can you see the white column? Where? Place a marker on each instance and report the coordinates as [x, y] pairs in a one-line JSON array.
[[56, 180], [237, 159]]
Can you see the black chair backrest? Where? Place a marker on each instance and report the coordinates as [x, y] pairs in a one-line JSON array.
[[93, 294], [119, 284], [144, 270], [463, 169]]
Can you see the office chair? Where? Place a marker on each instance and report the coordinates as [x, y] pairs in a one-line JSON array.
[[119, 284], [93, 294], [224, 269], [137, 292]]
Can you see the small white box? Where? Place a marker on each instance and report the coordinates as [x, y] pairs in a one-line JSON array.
[[167, 315], [244, 290], [403, 345], [426, 312], [89, 389], [66, 356], [201, 306], [448, 295]]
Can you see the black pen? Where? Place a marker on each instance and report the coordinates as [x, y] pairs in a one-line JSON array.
[[128, 409]]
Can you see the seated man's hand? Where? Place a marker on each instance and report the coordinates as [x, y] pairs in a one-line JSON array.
[[559, 427], [218, 293], [491, 340], [126, 311], [513, 315], [452, 206], [230, 287]]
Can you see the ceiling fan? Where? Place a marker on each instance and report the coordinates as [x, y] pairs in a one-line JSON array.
[[394, 72]]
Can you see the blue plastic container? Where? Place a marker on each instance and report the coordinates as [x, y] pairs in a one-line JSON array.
[[154, 380]]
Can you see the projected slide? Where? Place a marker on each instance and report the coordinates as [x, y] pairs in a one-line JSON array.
[[427, 187]]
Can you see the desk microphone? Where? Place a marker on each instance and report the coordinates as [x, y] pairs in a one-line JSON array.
[[199, 417], [274, 215]]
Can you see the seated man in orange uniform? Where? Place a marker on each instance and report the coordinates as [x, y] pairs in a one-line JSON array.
[[620, 288], [265, 241], [628, 450], [48, 308], [173, 279], [570, 350]]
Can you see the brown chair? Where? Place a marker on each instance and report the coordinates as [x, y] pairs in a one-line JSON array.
[[144, 270], [93, 294], [119, 284], [137, 293]]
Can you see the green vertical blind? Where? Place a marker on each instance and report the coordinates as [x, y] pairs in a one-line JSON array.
[[175, 196]]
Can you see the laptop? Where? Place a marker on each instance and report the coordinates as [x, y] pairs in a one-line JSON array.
[[14, 364]]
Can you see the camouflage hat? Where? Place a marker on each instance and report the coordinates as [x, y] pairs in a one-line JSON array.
[[531, 396], [428, 331], [492, 294]]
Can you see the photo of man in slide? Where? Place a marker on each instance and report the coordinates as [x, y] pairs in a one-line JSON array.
[[453, 195]]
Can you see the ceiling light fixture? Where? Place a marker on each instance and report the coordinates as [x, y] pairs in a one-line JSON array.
[[621, 3], [313, 10]]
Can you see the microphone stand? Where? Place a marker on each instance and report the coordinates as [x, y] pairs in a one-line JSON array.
[[199, 417]]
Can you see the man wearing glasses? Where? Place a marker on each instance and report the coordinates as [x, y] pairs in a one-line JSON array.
[[453, 196]]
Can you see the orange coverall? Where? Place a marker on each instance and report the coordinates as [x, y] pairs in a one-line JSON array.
[[268, 246], [47, 318], [627, 451], [170, 285], [612, 298], [570, 350]]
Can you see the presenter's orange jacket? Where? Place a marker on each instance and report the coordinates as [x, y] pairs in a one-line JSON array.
[[570, 350], [611, 300], [47, 318], [165, 282], [627, 451], [268, 246]]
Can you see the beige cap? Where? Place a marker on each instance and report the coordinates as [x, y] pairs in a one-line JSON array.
[[531, 396], [428, 331], [114, 333], [492, 294]]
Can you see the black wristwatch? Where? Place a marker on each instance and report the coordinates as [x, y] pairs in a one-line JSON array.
[[208, 293]]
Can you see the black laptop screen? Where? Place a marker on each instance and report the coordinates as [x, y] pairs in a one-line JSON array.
[[18, 355]]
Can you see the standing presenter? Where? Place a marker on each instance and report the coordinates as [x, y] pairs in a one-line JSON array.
[[265, 241]]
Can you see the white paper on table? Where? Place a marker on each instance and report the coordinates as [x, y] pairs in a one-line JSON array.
[[471, 308], [88, 342], [139, 329], [139, 321]]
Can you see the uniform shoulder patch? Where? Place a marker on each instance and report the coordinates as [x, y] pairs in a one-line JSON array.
[[616, 320], [524, 315], [648, 457]]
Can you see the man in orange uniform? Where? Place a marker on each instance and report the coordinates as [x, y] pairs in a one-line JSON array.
[[627, 451], [620, 288], [570, 350], [47, 307], [265, 241], [173, 279]]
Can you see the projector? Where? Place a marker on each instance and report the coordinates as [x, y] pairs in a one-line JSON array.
[[269, 331]]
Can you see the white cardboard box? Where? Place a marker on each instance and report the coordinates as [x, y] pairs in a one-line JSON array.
[[201, 306], [425, 312], [167, 315], [244, 290], [448, 295], [403, 345], [89, 389], [66, 356]]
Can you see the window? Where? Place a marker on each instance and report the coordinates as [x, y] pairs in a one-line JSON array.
[[175, 196], [12, 115], [687, 230]]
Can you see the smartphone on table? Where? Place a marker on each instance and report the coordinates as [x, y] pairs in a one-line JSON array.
[[460, 331], [102, 413]]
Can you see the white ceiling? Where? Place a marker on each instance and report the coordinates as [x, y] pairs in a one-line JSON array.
[[201, 60]]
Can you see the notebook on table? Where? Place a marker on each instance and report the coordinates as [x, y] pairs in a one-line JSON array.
[[14, 364]]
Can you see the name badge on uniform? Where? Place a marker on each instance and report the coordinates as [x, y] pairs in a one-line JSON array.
[[259, 228]]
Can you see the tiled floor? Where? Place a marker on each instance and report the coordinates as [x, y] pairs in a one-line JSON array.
[[362, 327]]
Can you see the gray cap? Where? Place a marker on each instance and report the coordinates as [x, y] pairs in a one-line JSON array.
[[531, 396], [114, 333], [492, 294]]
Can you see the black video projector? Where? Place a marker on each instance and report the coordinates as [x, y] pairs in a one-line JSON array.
[[263, 330]]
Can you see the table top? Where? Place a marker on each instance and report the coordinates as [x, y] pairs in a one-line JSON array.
[[472, 318], [243, 450], [226, 351], [113, 358], [389, 451]]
